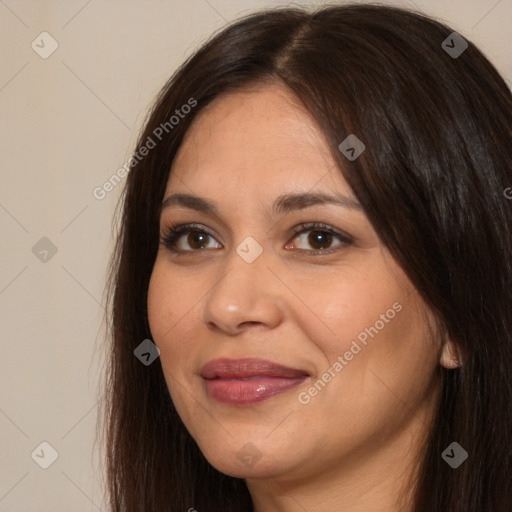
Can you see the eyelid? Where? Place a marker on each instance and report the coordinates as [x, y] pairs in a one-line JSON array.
[[174, 232]]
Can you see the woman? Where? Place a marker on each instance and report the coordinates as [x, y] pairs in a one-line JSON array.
[[315, 236]]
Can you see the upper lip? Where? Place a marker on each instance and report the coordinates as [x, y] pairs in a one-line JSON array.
[[249, 367]]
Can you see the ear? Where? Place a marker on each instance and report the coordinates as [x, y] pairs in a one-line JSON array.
[[450, 355]]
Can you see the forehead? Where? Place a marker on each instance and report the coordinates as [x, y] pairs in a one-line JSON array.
[[258, 138]]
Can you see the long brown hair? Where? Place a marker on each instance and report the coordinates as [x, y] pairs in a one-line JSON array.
[[437, 131]]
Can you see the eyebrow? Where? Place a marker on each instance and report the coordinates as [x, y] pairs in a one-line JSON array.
[[284, 204]]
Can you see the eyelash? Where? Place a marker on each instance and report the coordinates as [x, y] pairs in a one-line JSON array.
[[173, 233]]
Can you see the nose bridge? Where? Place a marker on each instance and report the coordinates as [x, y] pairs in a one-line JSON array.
[[244, 293]]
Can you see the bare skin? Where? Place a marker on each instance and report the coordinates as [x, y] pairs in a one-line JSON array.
[[354, 444]]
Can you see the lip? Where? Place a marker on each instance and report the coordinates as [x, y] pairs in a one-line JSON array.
[[248, 381]]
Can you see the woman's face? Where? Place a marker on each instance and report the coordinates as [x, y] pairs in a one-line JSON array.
[[328, 303]]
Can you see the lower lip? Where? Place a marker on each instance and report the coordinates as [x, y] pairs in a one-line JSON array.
[[250, 391]]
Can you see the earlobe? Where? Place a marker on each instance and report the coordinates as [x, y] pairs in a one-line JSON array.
[[450, 356]]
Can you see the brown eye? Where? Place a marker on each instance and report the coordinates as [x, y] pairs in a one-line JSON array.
[[320, 238], [196, 240]]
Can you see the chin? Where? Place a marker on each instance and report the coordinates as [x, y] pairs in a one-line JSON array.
[[240, 468], [245, 460]]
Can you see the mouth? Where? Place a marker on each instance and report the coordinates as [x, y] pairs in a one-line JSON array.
[[248, 381]]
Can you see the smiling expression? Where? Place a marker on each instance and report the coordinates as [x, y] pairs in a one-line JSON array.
[[256, 180]]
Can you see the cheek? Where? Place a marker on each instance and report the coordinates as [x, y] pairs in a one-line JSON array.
[[158, 303], [349, 312], [167, 315], [168, 303], [174, 308], [374, 325]]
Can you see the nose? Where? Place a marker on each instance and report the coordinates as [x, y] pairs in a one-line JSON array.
[[247, 295]]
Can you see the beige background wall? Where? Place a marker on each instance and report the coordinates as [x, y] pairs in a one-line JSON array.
[[68, 122]]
